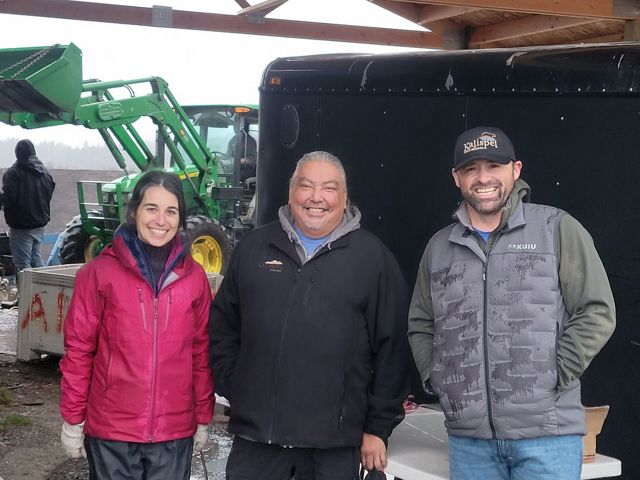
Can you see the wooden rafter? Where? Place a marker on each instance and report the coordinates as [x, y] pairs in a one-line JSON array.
[[263, 8], [614, 37], [405, 10], [143, 16], [530, 25], [243, 3], [611, 9], [443, 25], [452, 33], [433, 13]]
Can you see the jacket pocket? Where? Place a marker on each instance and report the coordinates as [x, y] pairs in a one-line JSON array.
[[168, 312], [143, 313], [343, 405]]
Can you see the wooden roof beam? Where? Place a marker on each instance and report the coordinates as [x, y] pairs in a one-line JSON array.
[[607, 9], [614, 37], [405, 10], [434, 13], [261, 9], [243, 3], [453, 36], [530, 25], [214, 22]]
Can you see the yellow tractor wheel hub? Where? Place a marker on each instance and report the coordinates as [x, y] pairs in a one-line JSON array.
[[207, 252]]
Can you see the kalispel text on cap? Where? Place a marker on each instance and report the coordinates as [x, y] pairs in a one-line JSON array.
[[483, 142]]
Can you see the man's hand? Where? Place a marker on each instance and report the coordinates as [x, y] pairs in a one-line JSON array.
[[373, 453], [72, 438]]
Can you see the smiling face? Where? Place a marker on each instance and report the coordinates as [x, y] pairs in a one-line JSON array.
[[486, 186], [157, 217], [317, 198]]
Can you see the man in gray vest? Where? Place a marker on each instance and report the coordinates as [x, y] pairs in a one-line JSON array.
[[510, 306]]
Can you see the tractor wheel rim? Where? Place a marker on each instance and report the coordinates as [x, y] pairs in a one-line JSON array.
[[207, 252]]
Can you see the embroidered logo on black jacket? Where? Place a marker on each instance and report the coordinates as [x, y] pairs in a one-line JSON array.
[[272, 265]]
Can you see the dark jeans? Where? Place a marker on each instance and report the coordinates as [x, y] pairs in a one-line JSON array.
[[109, 460], [259, 461]]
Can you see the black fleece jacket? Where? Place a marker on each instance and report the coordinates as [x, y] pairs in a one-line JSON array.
[[311, 355], [27, 190]]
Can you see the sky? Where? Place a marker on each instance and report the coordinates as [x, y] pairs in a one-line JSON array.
[[200, 67]]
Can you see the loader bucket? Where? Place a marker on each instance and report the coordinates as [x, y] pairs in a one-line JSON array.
[[40, 79]]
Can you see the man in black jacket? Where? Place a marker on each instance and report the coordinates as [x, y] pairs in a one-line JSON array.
[[307, 338], [27, 190]]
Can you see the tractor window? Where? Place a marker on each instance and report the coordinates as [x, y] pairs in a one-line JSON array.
[[217, 129], [221, 130], [218, 138]]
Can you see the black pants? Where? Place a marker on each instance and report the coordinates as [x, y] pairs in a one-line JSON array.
[[109, 460], [259, 461]]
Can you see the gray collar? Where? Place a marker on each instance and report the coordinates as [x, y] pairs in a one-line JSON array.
[[350, 222]]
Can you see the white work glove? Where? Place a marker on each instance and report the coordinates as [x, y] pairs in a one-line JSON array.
[[72, 438], [201, 438]]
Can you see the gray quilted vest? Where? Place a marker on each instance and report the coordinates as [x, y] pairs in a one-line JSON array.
[[497, 319]]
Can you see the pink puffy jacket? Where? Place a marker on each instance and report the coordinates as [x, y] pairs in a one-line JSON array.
[[136, 365]]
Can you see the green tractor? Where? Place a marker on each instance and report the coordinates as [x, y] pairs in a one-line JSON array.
[[212, 148]]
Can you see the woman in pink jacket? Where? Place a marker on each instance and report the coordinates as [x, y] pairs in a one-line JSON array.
[[137, 392]]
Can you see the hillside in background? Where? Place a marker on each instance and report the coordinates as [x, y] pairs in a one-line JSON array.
[[60, 156]]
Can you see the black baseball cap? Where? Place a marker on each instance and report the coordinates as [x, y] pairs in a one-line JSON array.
[[483, 143]]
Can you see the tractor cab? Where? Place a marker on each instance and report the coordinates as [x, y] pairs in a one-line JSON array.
[[230, 132]]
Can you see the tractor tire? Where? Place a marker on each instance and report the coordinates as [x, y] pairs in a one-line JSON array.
[[75, 243], [210, 245]]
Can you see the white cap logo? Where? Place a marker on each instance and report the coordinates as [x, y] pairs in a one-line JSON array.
[[483, 142]]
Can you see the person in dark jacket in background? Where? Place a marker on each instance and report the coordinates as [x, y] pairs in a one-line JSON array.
[[308, 342], [136, 394], [27, 190]]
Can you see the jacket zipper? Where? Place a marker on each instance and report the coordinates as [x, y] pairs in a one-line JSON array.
[[153, 367], [485, 329], [486, 353], [276, 374]]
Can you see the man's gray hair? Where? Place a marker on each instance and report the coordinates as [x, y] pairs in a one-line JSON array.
[[319, 156]]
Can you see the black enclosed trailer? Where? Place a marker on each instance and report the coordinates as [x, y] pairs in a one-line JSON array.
[[573, 114]]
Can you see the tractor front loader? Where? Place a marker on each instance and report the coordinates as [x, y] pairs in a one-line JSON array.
[[43, 87]]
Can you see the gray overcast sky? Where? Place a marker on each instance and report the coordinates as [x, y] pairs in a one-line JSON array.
[[200, 67]]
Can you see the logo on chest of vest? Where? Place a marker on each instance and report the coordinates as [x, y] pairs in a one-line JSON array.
[[522, 246]]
